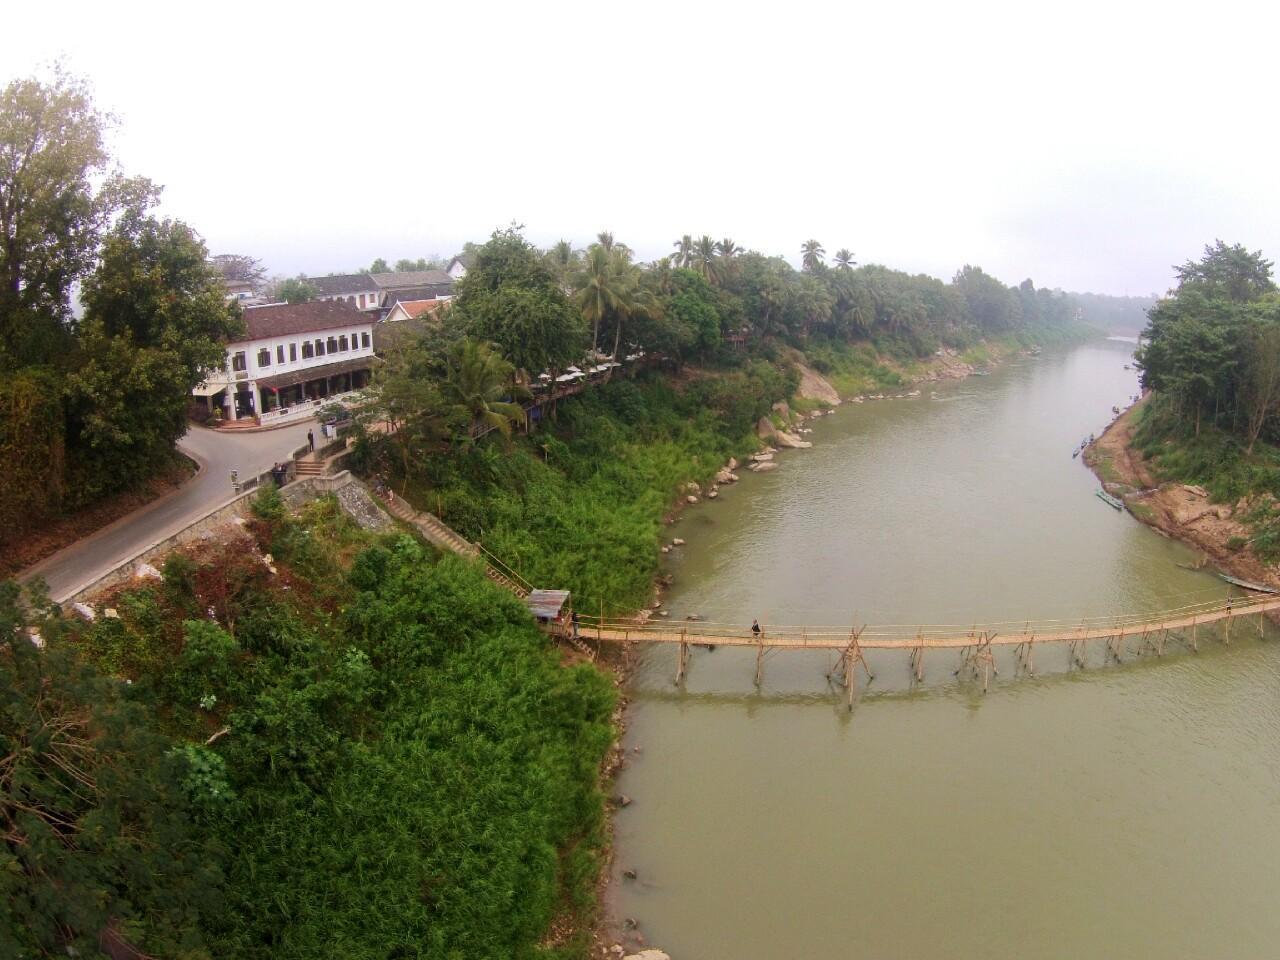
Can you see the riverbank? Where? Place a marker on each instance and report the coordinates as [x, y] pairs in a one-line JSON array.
[[1183, 512]]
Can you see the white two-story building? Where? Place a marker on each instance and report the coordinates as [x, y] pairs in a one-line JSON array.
[[292, 359]]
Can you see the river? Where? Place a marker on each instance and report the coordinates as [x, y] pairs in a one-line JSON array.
[[1118, 811]]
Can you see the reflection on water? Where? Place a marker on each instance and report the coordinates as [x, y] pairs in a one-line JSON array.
[[1126, 811]]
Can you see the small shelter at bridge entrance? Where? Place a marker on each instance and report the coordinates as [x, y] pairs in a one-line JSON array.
[[551, 608]]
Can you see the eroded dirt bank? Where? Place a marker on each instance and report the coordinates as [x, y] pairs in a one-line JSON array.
[[1181, 511]]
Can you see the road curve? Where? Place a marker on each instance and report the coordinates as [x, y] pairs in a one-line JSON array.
[[78, 564]]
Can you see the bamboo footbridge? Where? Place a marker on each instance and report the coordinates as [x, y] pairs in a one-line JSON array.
[[975, 643]]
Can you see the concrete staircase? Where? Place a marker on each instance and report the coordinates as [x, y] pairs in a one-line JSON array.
[[308, 467]]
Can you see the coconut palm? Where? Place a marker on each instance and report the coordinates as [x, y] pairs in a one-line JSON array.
[[599, 289], [844, 258], [477, 378], [812, 253], [728, 249], [704, 259], [683, 258]]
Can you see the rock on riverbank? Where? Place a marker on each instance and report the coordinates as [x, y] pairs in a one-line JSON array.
[[1176, 510]]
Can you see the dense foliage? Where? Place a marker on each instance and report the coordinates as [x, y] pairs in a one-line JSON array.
[[1211, 357], [89, 406], [579, 506], [1211, 349], [371, 752]]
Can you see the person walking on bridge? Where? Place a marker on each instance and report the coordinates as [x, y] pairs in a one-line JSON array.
[[755, 629]]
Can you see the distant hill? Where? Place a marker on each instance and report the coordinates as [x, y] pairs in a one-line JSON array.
[[1114, 314]]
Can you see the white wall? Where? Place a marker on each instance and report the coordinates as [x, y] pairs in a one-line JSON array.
[[250, 347]]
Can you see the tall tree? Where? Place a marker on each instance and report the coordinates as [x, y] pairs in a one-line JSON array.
[[378, 266], [1232, 272], [293, 290], [511, 297], [844, 259], [811, 254], [238, 268], [1260, 387], [600, 289], [56, 200], [683, 258], [728, 249], [704, 259], [155, 322]]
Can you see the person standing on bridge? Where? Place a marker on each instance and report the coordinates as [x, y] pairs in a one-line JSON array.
[[575, 624], [755, 629]]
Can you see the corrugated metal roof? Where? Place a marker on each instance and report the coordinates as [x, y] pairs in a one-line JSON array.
[[546, 603]]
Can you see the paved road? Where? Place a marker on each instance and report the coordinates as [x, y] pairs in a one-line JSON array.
[[68, 570]]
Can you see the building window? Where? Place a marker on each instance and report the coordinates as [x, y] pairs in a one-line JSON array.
[[238, 361], [308, 351], [293, 352], [264, 357], [342, 343], [319, 348], [364, 340], [332, 344], [280, 353], [362, 301]]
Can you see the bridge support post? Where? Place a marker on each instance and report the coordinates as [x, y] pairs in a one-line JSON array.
[[1115, 643], [1260, 625], [682, 655], [850, 657], [760, 658], [1226, 626], [1194, 646]]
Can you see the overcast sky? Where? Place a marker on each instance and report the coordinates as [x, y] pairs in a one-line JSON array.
[[1088, 146]]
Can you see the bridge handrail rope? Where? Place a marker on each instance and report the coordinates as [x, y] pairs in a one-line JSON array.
[[1108, 620], [503, 568], [802, 635]]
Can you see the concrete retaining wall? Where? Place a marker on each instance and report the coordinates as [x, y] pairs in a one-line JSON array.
[[294, 494]]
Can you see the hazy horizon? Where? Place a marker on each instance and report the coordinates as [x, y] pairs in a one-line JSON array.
[[921, 137]]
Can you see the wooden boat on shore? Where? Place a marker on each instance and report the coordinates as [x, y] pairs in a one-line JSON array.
[[1247, 584], [1109, 500]]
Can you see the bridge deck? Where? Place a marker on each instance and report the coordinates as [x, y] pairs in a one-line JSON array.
[[929, 637]]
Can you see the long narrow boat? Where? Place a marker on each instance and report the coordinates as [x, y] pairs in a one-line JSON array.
[[1109, 500], [1248, 584]]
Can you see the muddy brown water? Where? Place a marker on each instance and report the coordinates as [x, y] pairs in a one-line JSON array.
[[1119, 811]]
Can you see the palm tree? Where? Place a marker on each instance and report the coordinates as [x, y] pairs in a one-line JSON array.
[[728, 249], [704, 259], [844, 258], [605, 239], [684, 252], [812, 253], [599, 290], [477, 378]]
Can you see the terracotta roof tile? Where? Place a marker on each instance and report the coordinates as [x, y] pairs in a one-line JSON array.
[[286, 319]]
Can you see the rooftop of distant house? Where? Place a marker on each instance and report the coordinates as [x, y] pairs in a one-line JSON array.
[[429, 292], [414, 309], [288, 319], [343, 284], [410, 278]]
